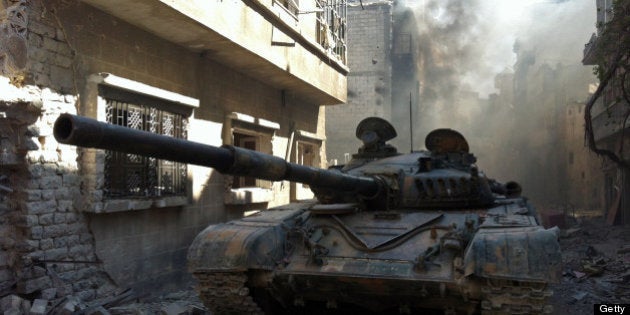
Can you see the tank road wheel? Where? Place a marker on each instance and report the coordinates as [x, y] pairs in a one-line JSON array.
[[514, 297], [226, 293]]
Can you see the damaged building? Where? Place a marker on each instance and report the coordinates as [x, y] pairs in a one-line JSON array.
[[609, 116], [382, 56], [86, 222], [411, 72]]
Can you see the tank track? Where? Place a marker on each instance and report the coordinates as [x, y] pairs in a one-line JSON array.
[[506, 298], [226, 293]]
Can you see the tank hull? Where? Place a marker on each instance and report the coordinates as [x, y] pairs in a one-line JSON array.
[[461, 261]]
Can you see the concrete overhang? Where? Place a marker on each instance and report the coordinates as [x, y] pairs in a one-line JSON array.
[[229, 32], [589, 55]]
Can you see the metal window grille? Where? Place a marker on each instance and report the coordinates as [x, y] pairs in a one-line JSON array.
[[331, 27], [130, 175]]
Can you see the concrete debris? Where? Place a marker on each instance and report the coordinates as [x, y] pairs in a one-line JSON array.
[[98, 311], [579, 296], [10, 302], [569, 232], [121, 303], [39, 307], [624, 249], [596, 268], [174, 309]]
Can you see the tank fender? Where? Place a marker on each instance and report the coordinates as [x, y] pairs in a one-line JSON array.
[[240, 245], [525, 254]]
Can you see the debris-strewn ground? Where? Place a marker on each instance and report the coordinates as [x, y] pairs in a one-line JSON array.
[[596, 260], [123, 303]]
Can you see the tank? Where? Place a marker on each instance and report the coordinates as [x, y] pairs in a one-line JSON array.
[[388, 232]]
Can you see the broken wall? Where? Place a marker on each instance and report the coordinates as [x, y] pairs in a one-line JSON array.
[[59, 239]]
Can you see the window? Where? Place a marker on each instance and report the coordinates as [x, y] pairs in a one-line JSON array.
[[402, 44], [130, 175], [116, 182], [305, 155], [306, 152], [254, 134], [251, 143]]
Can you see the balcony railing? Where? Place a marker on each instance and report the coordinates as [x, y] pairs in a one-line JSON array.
[[331, 27]]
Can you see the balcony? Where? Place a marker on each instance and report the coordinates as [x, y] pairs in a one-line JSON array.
[[296, 49], [589, 51]]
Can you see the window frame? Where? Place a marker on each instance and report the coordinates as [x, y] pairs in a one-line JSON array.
[[93, 161], [301, 191], [265, 131]]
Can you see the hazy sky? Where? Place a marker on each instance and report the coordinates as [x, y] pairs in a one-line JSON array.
[[487, 30]]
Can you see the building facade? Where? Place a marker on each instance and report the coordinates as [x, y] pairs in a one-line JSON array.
[[610, 120], [251, 73], [383, 80]]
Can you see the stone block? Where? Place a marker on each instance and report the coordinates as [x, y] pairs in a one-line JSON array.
[[59, 218], [13, 311], [49, 157], [35, 232], [39, 307], [46, 219], [87, 295], [80, 251], [32, 285], [72, 240], [28, 220], [40, 207], [63, 193], [65, 205], [72, 217], [46, 244], [98, 311], [5, 275], [53, 231], [174, 309], [10, 302], [25, 307], [56, 253], [76, 228], [69, 307], [31, 194], [33, 272], [50, 182], [48, 194], [27, 245], [49, 294]]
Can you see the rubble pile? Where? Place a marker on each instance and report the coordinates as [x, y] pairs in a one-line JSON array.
[[596, 259], [124, 303]]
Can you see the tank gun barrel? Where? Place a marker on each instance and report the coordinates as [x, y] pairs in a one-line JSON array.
[[87, 132]]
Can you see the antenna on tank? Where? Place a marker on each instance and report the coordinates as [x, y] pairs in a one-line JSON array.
[[410, 126]]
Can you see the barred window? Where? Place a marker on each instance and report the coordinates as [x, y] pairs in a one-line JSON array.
[[130, 175]]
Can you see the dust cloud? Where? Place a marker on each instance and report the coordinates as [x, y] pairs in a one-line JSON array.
[[502, 73]]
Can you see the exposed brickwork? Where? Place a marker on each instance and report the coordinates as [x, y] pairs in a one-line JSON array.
[[369, 81], [55, 209]]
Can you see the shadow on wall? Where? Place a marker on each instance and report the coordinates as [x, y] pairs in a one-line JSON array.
[[146, 249]]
